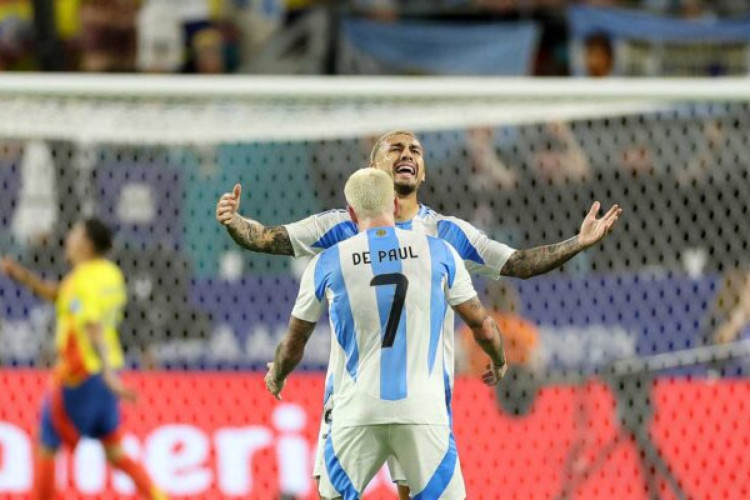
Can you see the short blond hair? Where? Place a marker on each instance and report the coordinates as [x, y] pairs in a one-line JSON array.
[[370, 192], [385, 137]]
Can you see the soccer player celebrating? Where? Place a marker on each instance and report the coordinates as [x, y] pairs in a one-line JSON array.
[[388, 290], [82, 400], [401, 156]]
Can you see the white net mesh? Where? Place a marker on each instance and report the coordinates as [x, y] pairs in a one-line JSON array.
[[521, 160]]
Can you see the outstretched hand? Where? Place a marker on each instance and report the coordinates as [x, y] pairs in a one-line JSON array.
[[593, 229], [229, 205]]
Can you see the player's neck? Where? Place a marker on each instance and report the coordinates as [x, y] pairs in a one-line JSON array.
[[408, 207], [378, 221]]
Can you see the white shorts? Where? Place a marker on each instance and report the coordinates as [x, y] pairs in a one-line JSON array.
[[397, 473], [353, 455]]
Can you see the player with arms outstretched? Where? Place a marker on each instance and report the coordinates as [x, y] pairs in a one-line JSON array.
[[388, 292], [85, 387], [401, 156]]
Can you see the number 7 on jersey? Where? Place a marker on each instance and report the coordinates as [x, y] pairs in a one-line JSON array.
[[397, 308]]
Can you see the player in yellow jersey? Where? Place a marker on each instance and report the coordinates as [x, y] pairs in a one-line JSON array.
[[85, 387]]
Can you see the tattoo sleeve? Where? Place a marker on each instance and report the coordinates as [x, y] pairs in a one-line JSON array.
[[255, 237], [292, 347], [539, 260], [485, 330]]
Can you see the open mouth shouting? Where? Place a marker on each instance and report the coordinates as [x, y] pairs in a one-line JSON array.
[[405, 169]]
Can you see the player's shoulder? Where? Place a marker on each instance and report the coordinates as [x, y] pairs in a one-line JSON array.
[[430, 215], [334, 214], [441, 246], [427, 213], [97, 274], [112, 273], [329, 258]]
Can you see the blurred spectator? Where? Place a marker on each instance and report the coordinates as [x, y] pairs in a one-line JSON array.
[[108, 42], [490, 171], [562, 160], [161, 44], [207, 50], [256, 21], [16, 36], [598, 54], [157, 35]]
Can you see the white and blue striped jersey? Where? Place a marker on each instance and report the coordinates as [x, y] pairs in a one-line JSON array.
[[388, 291], [481, 254]]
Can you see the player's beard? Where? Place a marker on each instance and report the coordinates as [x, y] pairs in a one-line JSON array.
[[404, 189]]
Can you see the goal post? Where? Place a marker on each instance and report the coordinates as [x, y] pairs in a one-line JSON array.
[[206, 110]]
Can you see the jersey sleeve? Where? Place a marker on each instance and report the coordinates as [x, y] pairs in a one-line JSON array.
[[482, 255], [460, 288], [310, 299], [314, 234]]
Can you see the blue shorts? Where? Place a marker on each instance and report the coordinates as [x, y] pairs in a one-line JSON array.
[[89, 409]]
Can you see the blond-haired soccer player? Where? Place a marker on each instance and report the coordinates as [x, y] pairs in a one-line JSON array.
[[388, 292], [400, 154], [82, 399]]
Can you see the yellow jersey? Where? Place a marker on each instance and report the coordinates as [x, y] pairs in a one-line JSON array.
[[93, 293]]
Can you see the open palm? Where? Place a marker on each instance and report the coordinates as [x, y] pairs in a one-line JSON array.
[[593, 229]]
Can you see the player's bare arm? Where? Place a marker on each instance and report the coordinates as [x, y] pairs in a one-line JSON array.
[[47, 290], [289, 353], [249, 233], [487, 336], [113, 381], [539, 260]]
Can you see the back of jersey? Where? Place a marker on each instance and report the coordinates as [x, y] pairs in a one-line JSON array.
[[388, 292]]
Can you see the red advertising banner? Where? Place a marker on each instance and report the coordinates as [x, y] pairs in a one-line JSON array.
[[220, 435]]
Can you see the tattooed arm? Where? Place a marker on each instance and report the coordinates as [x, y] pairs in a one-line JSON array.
[[487, 335], [539, 260], [248, 233], [256, 237]]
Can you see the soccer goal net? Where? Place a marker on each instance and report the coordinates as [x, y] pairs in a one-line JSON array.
[[668, 291]]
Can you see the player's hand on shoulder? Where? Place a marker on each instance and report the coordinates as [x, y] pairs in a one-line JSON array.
[[494, 374], [229, 205], [274, 386], [114, 383]]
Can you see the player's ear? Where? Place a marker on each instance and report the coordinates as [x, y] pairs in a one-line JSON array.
[[352, 215]]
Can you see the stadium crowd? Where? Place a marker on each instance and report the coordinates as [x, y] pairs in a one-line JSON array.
[[232, 36]]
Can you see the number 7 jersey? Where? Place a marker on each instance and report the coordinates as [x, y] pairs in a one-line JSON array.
[[388, 292]]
